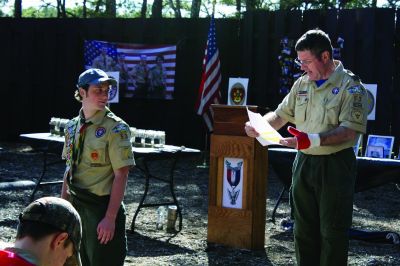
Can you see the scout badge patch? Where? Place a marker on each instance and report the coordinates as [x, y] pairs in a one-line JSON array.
[[100, 131]]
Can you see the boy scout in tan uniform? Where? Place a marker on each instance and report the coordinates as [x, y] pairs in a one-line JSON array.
[[328, 105], [99, 154]]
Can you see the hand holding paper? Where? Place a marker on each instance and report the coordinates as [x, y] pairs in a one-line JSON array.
[[268, 135]]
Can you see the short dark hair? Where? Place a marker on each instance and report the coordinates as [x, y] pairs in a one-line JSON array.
[[37, 230], [77, 96], [316, 41]]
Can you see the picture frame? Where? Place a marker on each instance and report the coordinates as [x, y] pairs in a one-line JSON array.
[[380, 140], [375, 151]]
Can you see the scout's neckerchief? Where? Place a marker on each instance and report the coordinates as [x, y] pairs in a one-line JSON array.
[[77, 148]]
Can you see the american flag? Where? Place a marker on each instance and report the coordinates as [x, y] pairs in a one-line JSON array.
[[131, 54], [210, 80]]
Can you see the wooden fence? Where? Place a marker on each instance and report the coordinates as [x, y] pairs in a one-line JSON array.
[[43, 57]]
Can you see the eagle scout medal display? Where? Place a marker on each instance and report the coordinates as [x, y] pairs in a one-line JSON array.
[[233, 183]]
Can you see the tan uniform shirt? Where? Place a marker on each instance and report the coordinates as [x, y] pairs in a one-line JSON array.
[[340, 101], [107, 147]]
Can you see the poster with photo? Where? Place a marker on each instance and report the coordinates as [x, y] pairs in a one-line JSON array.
[[145, 71]]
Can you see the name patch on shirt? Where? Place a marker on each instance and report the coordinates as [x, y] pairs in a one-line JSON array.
[[302, 93]]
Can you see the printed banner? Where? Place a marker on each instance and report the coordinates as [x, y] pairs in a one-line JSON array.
[[145, 71]]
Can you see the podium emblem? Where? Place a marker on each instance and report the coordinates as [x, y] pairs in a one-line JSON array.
[[232, 180]]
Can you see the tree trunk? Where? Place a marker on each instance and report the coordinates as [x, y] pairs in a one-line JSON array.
[[250, 5], [156, 9], [195, 9], [177, 8], [111, 8], [61, 9], [98, 4], [84, 15], [144, 9], [238, 8], [18, 9]]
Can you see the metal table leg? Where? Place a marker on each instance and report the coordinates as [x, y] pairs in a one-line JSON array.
[[277, 204], [169, 181]]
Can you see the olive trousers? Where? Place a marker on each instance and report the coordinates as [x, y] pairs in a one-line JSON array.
[[92, 209], [322, 205]]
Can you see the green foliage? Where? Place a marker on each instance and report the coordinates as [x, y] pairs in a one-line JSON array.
[[132, 8], [45, 12]]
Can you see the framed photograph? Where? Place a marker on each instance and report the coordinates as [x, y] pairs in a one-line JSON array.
[[375, 151], [383, 141]]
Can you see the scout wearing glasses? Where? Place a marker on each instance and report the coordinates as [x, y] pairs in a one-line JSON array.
[[328, 105], [98, 153]]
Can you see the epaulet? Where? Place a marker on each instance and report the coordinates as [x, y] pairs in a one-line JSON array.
[[352, 75], [113, 117]]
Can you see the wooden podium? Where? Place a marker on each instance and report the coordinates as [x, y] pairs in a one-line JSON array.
[[237, 182]]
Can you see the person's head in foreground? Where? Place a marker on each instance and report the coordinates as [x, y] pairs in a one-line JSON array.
[[50, 229]]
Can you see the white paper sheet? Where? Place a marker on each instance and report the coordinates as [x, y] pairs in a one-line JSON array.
[[268, 135]]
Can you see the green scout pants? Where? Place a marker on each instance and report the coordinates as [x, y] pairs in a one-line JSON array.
[[322, 204], [92, 209]]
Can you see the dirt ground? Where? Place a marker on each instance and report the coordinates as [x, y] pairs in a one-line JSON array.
[[375, 209]]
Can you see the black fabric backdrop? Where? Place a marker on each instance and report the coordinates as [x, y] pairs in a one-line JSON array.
[[43, 57]]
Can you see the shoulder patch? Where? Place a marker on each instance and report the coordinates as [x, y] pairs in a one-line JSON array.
[[357, 89], [122, 129]]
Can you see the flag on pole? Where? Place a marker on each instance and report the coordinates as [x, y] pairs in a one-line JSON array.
[[210, 80]]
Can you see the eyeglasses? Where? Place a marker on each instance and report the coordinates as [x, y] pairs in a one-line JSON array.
[[302, 62]]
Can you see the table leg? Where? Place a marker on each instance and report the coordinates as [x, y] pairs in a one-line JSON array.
[[171, 187], [277, 204], [43, 173], [169, 181], [146, 189]]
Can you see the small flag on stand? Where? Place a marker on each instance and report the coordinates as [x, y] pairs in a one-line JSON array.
[[210, 80]]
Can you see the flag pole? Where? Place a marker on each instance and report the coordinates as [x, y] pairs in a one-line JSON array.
[[205, 164]]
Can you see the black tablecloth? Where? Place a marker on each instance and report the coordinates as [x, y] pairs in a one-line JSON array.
[[371, 172]]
